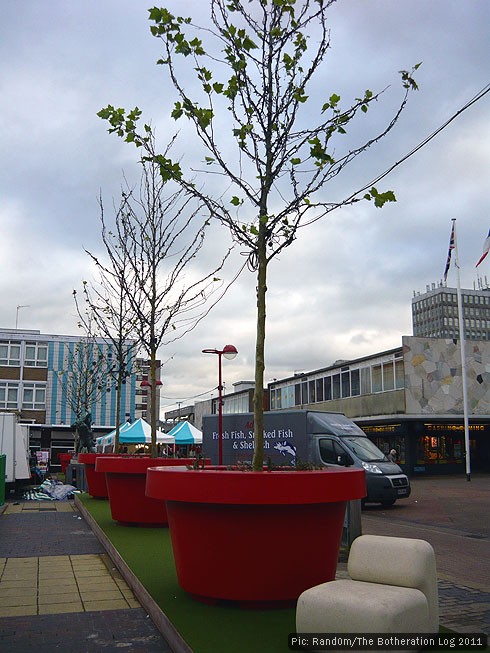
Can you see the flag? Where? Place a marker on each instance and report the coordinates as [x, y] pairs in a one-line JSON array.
[[486, 249], [450, 251]]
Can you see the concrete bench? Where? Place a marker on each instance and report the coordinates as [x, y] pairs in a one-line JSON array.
[[393, 589]]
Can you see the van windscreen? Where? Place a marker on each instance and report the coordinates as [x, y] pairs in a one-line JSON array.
[[364, 449]]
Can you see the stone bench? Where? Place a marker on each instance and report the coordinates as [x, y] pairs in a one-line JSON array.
[[393, 589]]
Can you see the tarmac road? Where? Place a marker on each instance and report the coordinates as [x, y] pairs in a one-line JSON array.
[[451, 513]]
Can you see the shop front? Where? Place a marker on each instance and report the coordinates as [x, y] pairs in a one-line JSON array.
[[432, 447], [390, 436], [440, 447]]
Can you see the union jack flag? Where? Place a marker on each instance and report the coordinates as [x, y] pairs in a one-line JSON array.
[[450, 251]]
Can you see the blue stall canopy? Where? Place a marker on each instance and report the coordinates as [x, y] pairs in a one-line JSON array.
[[137, 432], [186, 433]]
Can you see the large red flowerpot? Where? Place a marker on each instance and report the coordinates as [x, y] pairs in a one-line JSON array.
[[255, 537], [96, 483], [126, 479], [65, 459]]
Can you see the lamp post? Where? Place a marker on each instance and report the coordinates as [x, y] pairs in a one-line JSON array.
[[229, 352]]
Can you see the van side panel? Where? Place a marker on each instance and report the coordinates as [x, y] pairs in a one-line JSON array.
[[286, 434], [291, 437], [285, 437]]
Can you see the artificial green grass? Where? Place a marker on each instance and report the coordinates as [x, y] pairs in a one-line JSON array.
[[207, 629]]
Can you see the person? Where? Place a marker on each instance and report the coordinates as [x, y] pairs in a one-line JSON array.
[[392, 456]]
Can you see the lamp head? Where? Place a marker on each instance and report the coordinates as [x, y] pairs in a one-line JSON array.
[[230, 352]]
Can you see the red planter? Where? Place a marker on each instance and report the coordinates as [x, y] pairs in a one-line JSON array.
[[96, 483], [126, 479], [255, 537], [64, 459]]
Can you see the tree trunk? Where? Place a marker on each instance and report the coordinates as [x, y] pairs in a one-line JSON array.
[[153, 414], [258, 459], [118, 413]]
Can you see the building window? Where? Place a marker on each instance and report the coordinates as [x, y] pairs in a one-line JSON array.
[[355, 383], [345, 377], [366, 381], [388, 376], [319, 389], [297, 394], [10, 354], [377, 378], [327, 383], [9, 393], [36, 355], [34, 396], [311, 392], [399, 375], [304, 392]]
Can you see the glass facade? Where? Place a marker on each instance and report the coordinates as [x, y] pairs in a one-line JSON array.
[[374, 376]]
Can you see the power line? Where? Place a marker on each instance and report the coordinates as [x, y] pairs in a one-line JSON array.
[[426, 140]]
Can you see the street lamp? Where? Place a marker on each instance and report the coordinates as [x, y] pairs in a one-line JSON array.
[[229, 352], [147, 384]]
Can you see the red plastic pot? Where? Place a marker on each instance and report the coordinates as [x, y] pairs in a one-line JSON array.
[[126, 479], [65, 459], [96, 483], [255, 537]]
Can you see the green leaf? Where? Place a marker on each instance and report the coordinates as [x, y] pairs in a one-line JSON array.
[[296, 161], [235, 201], [380, 198]]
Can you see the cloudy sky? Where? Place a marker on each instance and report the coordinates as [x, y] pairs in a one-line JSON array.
[[344, 288]]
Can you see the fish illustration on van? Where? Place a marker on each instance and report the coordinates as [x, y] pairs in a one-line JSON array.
[[286, 448]]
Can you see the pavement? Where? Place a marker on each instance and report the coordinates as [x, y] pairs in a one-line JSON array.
[[60, 590], [453, 515]]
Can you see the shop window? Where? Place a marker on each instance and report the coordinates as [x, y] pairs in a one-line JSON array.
[[440, 450]]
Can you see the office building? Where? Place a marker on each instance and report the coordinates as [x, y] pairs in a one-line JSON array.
[[435, 313], [48, 379]]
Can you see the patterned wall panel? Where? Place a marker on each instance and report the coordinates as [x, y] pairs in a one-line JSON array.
[[433, 380]]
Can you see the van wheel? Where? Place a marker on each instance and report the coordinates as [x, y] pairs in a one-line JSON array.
[[387, 504]]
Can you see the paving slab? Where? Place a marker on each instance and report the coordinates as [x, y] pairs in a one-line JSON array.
[[59, 590]]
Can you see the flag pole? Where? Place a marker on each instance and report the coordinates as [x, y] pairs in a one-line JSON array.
[[463, 359]]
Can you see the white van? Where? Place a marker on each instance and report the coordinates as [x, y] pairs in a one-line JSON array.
[[307, 436]]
